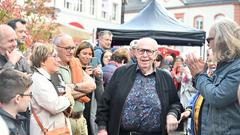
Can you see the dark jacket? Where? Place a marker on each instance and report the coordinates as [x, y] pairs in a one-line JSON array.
[[111, 104], [21, 65], [15, 126]]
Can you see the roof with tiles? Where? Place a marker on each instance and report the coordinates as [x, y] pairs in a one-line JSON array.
[[137, 5], [208, 2]]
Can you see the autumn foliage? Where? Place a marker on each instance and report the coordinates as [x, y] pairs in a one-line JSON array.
[[40, 18]]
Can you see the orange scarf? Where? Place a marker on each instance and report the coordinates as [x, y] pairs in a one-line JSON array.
[[77, 76]]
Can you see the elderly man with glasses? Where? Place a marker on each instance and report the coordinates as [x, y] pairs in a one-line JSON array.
[[139, 99], [71, 73]]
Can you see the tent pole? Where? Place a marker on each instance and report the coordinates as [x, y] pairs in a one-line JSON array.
[[204, 51]]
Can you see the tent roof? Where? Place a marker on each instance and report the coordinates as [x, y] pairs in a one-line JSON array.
[[154, 21]]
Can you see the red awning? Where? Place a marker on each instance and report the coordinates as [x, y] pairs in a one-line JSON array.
[[77, 24], [76, 30]]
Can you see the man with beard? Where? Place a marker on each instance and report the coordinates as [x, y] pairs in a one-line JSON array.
[[19, 25]]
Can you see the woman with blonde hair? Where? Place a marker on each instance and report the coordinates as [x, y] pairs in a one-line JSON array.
[[220, 109], [47, 104]]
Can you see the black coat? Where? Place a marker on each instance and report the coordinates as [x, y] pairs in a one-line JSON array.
[[111, 104], [15, 126]]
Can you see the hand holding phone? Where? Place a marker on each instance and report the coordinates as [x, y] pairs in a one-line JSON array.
[[93, 62]]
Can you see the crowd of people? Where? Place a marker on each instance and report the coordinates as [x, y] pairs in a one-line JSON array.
[[59, 87]]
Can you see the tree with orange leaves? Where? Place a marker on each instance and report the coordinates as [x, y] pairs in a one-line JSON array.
[[41, 19]]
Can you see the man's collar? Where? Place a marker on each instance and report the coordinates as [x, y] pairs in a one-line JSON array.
[[65, 67], [139, 70]]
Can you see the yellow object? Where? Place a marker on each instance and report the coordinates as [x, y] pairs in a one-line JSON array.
[[198, 105]]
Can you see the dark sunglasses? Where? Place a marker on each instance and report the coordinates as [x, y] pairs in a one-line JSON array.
[[209, 39]]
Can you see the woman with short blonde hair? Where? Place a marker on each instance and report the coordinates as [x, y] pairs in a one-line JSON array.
[[47, 104]]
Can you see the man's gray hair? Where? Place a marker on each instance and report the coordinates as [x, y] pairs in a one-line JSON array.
[[57, 39], [104, 32]]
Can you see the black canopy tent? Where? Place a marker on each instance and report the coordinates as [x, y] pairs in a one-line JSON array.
[[154, 21]]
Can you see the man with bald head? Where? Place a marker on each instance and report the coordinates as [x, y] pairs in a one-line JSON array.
[[139, 99], [10, 57]]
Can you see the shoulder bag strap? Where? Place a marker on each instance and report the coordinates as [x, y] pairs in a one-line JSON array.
[[38, 121]]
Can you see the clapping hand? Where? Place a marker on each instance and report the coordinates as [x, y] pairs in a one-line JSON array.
[[196, 65]]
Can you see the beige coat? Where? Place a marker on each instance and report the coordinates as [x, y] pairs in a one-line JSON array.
[[47, 104]]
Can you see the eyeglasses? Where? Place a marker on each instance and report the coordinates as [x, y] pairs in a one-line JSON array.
[[30, 95], [209, 39], [142, 51], [67, 48]]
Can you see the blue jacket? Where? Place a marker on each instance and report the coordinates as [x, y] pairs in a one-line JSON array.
[[98, 51], [220, 110]]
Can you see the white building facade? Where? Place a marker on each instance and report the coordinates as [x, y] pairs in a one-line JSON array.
[[89, 13]]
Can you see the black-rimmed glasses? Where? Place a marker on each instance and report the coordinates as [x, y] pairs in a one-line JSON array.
[[142, 51], [67, 48], [30, 95], [209, 39]]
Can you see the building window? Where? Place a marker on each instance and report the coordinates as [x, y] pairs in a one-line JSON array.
[[218, 17], [67, 4], [92, 7], [78, 5], [105, 8], [198, 22], [104, 14], [114, 13], [81, 5]]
